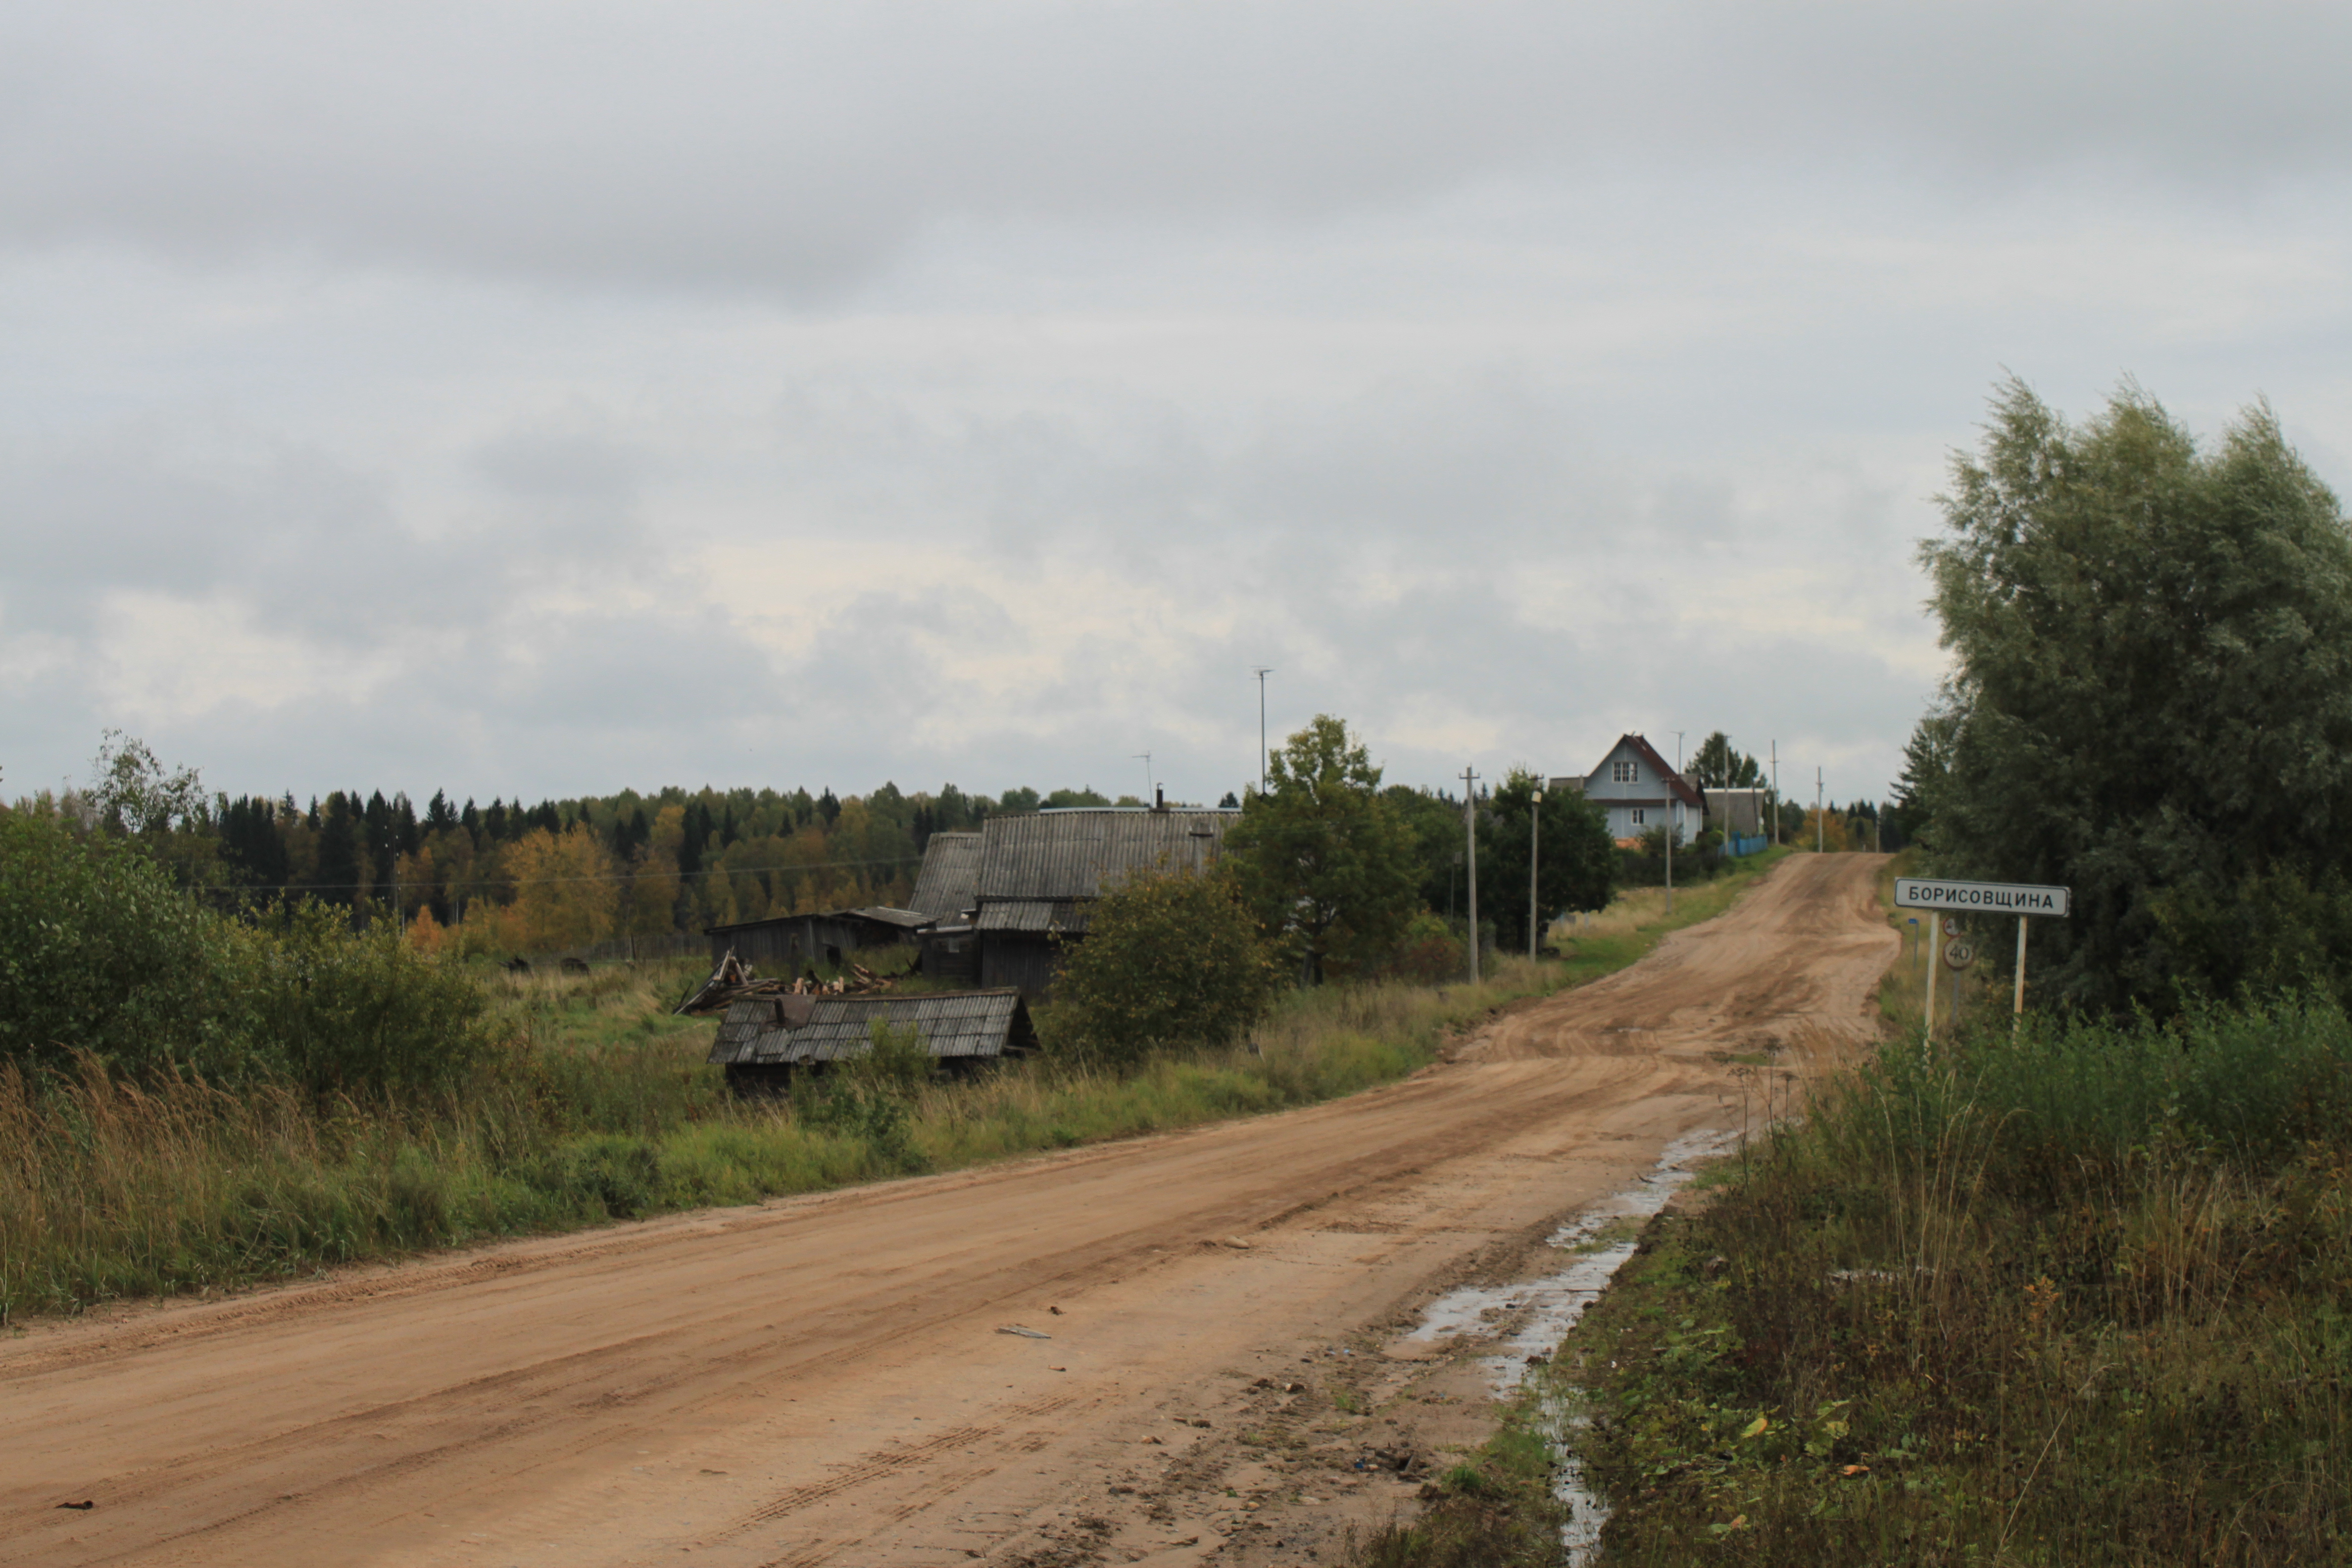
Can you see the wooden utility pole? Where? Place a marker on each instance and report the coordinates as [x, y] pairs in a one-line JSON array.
[[1470, 820], [1818, 839], [1776, 793], [1535, 858], [1674, 828], [1261, 671]]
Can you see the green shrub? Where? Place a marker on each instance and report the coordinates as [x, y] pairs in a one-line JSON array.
[[870, 1098], [1171, 959], [100, 955], [2249, 1084], [1429, 955], [898, 1064], [358, 1012]]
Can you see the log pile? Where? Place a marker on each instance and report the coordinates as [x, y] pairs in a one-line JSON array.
[[734, 980]]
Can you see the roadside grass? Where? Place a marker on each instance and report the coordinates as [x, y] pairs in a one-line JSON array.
[[601, 1108], [2062, 1294], [2078, 1294], [1494, 1510], [1637, 920]]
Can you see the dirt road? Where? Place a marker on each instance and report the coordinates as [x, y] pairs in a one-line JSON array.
[[822, 1380]]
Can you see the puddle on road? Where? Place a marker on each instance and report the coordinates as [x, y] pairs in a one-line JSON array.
[[1551, 1307]]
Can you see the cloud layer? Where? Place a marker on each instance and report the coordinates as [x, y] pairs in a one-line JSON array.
[[536, 399]]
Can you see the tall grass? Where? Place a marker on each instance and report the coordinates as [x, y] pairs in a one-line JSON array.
[[601, 1108], [2078, 1294], [596, 1104]]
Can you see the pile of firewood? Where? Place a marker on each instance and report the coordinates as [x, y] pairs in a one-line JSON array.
[[734, 980]]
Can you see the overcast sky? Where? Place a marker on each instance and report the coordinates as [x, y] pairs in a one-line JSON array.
[[543, 399]]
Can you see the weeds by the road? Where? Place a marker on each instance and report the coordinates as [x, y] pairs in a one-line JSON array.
[[1495, 1511], [604, 1109], [109, 1189], [2077, 1295]]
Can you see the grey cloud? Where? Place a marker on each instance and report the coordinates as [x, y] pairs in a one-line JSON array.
[[285, 541], [802, 147], [190, 509]]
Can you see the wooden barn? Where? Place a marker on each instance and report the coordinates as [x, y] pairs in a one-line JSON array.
[[764, 1040], [946, 889], [786, 943], [1040, 875]]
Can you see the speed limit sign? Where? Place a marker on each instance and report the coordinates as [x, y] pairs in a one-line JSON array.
[[1958, 954]]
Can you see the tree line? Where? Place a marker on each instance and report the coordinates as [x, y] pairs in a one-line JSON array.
[[516, 878]]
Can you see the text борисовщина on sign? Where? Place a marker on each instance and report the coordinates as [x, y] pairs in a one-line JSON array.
[[1983, 898]]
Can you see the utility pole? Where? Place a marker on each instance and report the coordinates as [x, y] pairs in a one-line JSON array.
[[1818, 825], [1674, 821], [1535, 858], [1470, 820], [1261, 671], [1776, 792]]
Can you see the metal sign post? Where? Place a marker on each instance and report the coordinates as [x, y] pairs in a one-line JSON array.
[[2026, 901], [1931, 945], [2017, 1007]]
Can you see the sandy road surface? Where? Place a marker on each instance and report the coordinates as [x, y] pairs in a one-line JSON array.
[[821, 1380]]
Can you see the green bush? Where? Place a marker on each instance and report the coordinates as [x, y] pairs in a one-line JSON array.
[[2063, 1099], [1429, 955], [1169, 959], [341, 1011], [101, 954], [898, 1064]]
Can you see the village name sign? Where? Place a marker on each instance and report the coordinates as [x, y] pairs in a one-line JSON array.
[[2023, 900], [1979, 897]]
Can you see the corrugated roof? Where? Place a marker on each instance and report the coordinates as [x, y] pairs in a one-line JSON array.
[[905, 920], [772, 1030], [1069, 854], [948, 883], [1039, 915]]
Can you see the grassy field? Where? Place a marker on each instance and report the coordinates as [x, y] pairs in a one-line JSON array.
[[2073, 1293], [603, 1107]]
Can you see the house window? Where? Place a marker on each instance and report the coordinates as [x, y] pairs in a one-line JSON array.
[[1637, 816], [1622, 772]]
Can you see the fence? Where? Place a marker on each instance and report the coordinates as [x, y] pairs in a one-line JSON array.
[[1736, 845]]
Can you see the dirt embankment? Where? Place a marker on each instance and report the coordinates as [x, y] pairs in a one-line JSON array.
[[822, 1380]]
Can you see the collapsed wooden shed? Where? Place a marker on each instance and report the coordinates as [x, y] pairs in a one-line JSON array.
[[764, 1040]]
